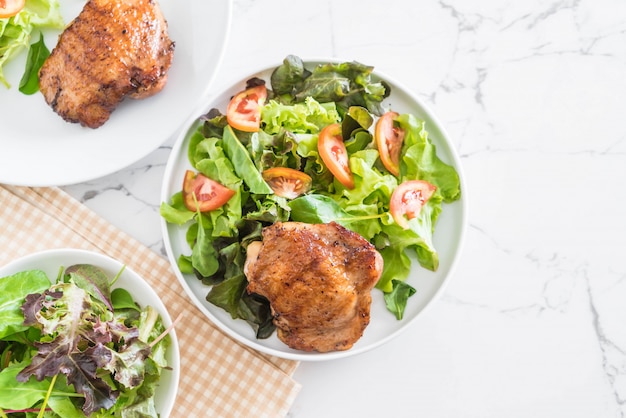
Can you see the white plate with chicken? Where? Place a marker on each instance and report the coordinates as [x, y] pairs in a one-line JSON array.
[[314, 209], [121, 82]]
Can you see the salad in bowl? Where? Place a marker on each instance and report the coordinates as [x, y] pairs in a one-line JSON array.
[[82, 335]]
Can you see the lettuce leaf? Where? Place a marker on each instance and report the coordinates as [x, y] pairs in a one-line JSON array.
[[310, 116], [346, 84], [14, 290], [15, 31]]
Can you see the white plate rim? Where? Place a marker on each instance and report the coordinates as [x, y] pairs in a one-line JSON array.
[[444, 139]]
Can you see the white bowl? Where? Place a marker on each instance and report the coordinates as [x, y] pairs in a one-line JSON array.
[[448, 237], [51, 260]]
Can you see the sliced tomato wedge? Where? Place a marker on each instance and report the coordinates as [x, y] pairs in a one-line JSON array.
[[334, 154], [407, 200], [287, 182], [204, 194], [244, 110], [10, 8], [389, 138]]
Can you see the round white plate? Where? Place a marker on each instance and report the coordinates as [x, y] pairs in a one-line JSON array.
[[383, 325], [38, 148], [51, 260]]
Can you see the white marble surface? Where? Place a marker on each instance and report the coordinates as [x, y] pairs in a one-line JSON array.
[[533, 323]]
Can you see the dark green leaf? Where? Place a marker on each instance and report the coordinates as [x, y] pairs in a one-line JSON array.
[[396, 299], [37, 55], [288, 77], [122, 299], [255, 309], [228, 293], [317, 209]]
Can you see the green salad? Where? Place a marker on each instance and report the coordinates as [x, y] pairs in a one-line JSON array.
[[76, 347], [16, 32], [315, 145]]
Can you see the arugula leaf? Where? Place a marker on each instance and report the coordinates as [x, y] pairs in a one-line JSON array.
[[37, 55]]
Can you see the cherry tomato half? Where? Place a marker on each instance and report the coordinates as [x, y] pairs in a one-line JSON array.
[[389, 140], [10, 8], [287, 182], [407, 200], [334, 154], [244, 110], [208, 193]]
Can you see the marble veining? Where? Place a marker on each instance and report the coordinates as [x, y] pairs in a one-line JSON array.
[[532, 93]]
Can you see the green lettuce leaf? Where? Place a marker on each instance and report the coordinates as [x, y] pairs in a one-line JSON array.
[[13, 291], [420, 160], [310, 116], [15, 31]]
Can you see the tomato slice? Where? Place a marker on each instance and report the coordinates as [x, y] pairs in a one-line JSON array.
[[287, 182], [407, 200], [244, 110], [209, 194], [10, 8], [389, 138], [334, 154]]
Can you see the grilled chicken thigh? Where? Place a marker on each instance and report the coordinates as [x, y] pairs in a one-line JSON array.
[[317, 279], [113, 49]]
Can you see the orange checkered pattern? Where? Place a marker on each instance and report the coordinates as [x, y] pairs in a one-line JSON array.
[[219, 377]]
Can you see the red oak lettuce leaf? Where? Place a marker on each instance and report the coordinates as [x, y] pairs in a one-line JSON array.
[[75, 326]]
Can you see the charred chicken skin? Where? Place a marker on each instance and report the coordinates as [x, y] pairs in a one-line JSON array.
[[317, 279], [113, 49]]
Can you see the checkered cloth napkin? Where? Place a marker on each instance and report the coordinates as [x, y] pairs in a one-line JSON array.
[[219, 377]]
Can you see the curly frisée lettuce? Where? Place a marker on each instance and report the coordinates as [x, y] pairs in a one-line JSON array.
[[76, 347], [16, 31], [301, 103]]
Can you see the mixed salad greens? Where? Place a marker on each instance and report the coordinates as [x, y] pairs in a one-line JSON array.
[[301, 149], [77, 347], [16, 31]]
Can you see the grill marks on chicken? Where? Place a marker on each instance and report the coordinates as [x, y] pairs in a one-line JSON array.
[[317, 279], [113, 49]]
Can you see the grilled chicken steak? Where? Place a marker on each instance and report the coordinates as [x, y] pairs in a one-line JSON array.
[[317, 279], [113, 49]]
